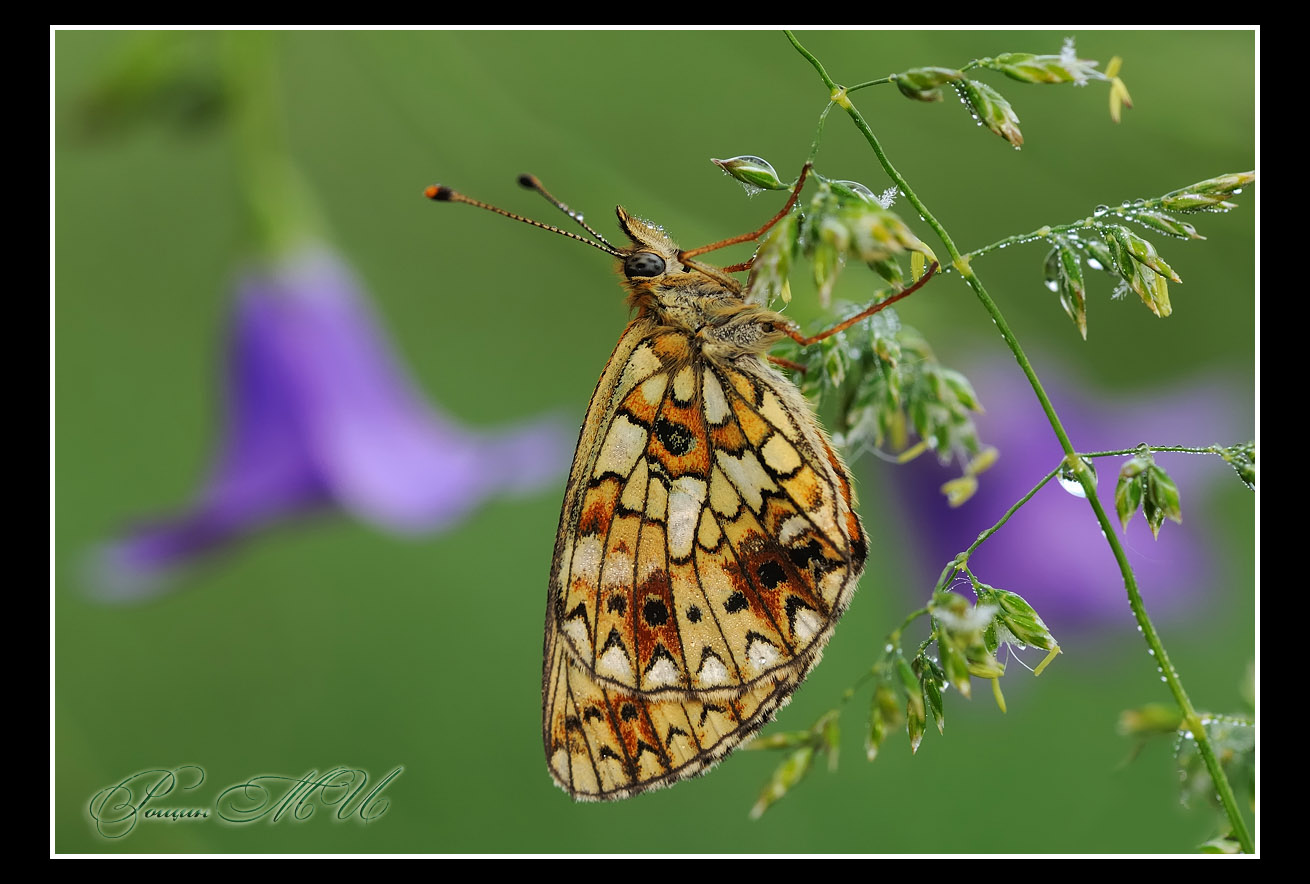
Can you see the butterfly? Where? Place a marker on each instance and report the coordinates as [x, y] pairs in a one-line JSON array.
[[708, 540]]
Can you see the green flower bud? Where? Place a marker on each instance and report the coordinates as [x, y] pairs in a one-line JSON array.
[[914, 722], [1064, 275], [877, 234], [828, 729], [877, 730], [787, 775], [1029, 68], [984, 459], [992, 110], [910, 682], [757, 174], [1165, 224], [959, 491], [932, 698], [1208, 195], [786, 740], [1242, 459], [1020, 619], [963, 391], [1141, 251], [922, 84], [1160, 500], [1129, 262], [1127, 498], [890, 270], [854, 190], [772, 264], [1149, 720], [956, 666]]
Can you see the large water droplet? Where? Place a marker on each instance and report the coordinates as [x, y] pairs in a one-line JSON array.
[[1069, 481], [1100, 210]]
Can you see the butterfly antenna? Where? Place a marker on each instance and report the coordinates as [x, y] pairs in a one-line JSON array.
[[442, 194], [532, 182]]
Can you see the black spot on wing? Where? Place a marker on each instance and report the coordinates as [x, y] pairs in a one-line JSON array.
[[676, 439]]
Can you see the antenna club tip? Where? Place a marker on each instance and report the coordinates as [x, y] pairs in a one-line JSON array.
[[439, 192], [530, 182]]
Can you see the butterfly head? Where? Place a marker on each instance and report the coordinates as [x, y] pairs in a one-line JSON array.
[[654, 268]]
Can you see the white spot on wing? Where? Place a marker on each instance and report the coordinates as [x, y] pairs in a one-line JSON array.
[[633, 496], [792, 528], [716, 404], [761, 655], [663, 673], [709, 533], [652, 390], [772, 411], [723, 497], [642, 363], [747, 474], [614, 664], [618, 571], [807, 625], [712, 672], [657, 500], [779, 454], [587, 554], [576, 630], [686, 498], [684, 384], [624, 443]]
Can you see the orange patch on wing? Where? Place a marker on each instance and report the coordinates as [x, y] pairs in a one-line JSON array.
[[728, 437], [743, 385], [672, 349], [598, 507], [679, 440]]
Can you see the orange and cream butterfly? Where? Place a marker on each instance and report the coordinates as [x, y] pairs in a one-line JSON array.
[[708, 541]]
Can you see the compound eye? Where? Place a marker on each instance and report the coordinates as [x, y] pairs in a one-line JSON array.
[[643, 264]]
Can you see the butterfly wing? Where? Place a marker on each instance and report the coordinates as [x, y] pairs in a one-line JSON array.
[[707, 546]]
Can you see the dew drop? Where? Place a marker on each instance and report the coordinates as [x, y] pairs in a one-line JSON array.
[[1100, 210], [1095, 264], [1052, 285], [1069, 482]]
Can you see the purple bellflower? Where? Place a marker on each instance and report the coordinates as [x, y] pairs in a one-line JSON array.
[[321, 413], [1051, 551]]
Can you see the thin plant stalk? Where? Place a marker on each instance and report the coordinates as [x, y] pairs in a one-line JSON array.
[[1191, 720]]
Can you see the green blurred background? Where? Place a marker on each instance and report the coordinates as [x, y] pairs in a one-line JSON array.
[[330, 643]]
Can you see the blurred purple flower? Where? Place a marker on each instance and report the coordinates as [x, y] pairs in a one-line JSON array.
[[320, 413], [1051, 552]]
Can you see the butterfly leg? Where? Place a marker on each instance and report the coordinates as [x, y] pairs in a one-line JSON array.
[[747, 237], [794, 333]]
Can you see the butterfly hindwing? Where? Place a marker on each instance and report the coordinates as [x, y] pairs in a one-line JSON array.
[[707, 546]]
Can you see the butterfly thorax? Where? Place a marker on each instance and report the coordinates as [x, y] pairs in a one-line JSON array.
[[703, 302]]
